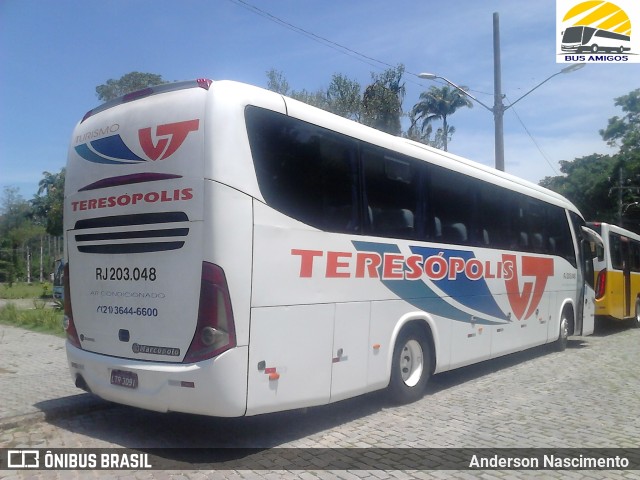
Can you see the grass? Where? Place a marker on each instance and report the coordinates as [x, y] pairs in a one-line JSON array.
[[46, 320], [38, 316], [26, 290]]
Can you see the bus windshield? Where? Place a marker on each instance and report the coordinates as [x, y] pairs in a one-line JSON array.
[[572, 35]]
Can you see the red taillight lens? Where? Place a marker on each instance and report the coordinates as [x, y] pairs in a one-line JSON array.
[[204, 83], [601, 284], [215, 331], [69, 326]]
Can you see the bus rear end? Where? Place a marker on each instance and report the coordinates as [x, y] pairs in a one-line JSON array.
[[148, 312]]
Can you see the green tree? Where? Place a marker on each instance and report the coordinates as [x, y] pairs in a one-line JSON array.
[[276, 82], [128, 83], [586, 183], [603, 187], [625, 132], [382, 101], [14, 231], [344, 97], [48, 204], [438, 104]]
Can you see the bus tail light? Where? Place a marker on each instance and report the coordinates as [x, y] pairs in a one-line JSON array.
[[601, 284], [69, 326], [215, 330]]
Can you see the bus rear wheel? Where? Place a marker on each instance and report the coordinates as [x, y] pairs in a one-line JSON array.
[[411, 366], [563, 337]]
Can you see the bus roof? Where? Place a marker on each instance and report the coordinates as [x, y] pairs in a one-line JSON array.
[[245, 94]]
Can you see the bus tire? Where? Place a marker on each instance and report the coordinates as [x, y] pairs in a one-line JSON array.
[[636, 319], [594, 48], [563, 336], [411, 365]]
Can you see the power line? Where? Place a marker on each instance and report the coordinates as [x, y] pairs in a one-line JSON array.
[[535, 142], [361, 57], [371, 61], [317, 38]]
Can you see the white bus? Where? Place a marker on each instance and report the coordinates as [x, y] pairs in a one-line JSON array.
[[231, 252], [594, 40]]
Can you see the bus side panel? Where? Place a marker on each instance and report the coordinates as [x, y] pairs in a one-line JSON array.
[[290, 357], [470, 342], [613, 299], [228, 243], [588, 314], [351, 350]]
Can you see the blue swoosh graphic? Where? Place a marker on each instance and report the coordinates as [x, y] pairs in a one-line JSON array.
[[419, 294], [108, 150]]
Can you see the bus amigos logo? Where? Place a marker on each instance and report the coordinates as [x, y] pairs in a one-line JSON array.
[[597, 31], [95, 147]]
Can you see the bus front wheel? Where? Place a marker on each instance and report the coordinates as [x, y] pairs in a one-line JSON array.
[[411, 365]]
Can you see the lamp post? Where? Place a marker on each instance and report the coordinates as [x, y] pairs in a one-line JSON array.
[[499, 108]]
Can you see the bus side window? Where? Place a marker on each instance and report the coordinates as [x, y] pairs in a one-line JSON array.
[[452, 206], [615, 251], [494, 218], [305, 171], [391, 193], [635, 256]]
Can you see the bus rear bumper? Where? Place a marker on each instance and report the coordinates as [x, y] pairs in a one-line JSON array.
[[215, 387]]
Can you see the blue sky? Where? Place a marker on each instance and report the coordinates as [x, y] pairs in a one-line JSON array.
[[54, 53]]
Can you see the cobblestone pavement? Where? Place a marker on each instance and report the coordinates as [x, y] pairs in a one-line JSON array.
[[585, 397]]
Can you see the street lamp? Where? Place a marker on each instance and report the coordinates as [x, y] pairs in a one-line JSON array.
[[499, 108]]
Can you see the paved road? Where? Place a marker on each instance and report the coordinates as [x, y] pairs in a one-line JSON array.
[[585, 397]]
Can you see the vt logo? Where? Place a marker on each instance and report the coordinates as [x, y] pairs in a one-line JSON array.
[[170, 137], [113, 150], [525, 298]]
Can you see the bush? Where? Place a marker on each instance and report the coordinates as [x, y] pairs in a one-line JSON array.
[[39, 319]]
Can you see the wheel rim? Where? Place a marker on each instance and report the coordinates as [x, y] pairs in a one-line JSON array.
[[411, 363], [564, 329]]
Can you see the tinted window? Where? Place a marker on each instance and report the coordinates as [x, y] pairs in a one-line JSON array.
[[339, 184], [452, 206], [305, 171], [615, 249], [391, 193]]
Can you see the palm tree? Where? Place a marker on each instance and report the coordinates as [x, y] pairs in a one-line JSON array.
[[439, 103]]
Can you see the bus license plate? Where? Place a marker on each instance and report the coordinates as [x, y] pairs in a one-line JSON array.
[[123, 378]]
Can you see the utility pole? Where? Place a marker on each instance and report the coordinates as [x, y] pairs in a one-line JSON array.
[[620, 182], [498, 106]]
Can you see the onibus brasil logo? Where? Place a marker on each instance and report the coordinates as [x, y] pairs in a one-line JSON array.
[[105, 145], [596, 31]]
